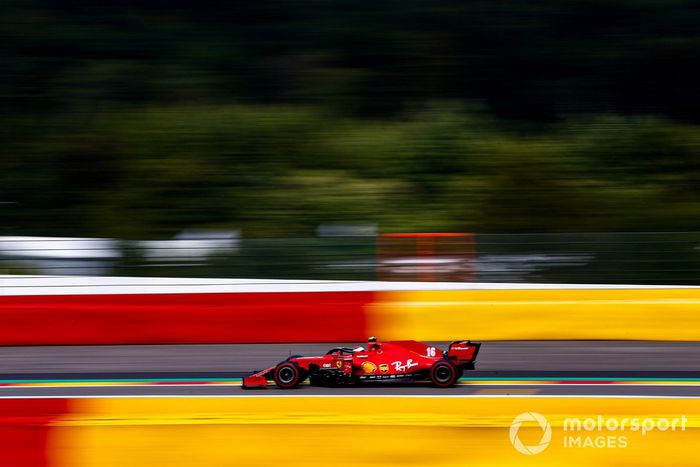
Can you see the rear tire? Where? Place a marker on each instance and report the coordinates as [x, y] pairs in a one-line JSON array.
[[287, 375], [443, 374]]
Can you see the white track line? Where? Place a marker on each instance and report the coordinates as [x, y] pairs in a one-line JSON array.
[[238, 385], [388, 396], [351, 396]]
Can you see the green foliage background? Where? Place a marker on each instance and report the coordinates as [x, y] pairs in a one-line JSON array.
[[140, 119]]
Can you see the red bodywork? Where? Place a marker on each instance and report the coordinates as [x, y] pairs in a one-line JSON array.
[[380, 361]]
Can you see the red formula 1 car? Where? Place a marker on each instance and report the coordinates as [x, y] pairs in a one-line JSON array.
[[381, 361]]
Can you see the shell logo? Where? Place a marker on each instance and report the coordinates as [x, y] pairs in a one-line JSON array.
[[369, 367]]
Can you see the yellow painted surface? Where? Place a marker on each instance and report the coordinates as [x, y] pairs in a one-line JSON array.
[[645, 314], [360, 431]]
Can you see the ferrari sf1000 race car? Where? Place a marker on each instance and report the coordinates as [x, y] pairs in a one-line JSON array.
[[381, 361]]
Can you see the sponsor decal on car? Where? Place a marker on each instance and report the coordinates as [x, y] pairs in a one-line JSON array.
[[339, 364], [326, 365], [369, 367], [400, 366], [384, 368], [375, 377]]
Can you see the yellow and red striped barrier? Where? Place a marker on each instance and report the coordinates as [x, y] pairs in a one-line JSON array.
[[351, 431], [113, 311]]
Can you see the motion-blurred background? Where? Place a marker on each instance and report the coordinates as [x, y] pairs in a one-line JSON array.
[[278, 139]]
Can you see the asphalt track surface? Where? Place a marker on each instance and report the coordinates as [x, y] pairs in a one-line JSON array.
[[591, 368]]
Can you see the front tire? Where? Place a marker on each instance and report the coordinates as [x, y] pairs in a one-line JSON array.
[[287, 375], [443, 374]]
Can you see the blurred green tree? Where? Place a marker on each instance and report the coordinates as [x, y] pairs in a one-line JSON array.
[[140, 119]]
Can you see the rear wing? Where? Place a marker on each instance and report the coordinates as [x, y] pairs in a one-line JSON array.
[[463, 352]]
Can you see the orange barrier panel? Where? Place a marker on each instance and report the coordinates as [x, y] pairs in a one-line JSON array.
[[392, 431], [645, 314]]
